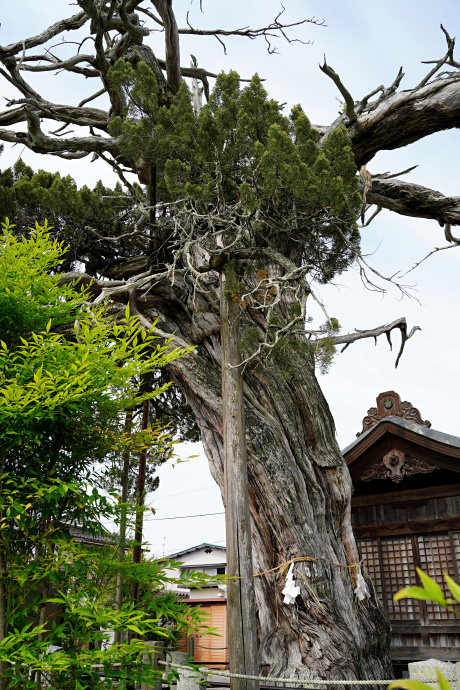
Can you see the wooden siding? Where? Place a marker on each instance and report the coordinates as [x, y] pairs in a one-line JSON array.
[[445, 507], [211, 648], [394, 538]]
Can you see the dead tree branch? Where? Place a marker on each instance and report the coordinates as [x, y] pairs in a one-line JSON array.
[[173, 71], [400, 324], [409, 199], [448, 58], [55, 64], [349, 102], [37, 141], [70, 24], [272, 30]]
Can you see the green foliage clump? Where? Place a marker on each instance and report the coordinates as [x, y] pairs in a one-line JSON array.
[[66, 395], [250, 340], [289, 355], [63, 400], [324, 349], [80, 218], [29, 294], [243, 150]]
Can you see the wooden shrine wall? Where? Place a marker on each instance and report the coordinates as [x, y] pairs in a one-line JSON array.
[[396, 538]]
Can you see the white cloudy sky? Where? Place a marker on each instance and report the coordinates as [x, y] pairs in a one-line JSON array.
[[366, 42]]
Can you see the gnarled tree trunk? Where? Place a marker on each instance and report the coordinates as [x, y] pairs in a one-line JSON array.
[[300, 493], [300, 489]]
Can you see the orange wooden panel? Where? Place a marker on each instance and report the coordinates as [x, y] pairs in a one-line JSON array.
[[211, 647]]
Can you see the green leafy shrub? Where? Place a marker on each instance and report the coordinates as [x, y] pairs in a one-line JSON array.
[[67, 376]]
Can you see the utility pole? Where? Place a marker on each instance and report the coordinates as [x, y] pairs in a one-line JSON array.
[[244, 657]]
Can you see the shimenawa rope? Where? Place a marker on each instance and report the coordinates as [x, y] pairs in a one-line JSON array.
[[293, 681], [284, 567]]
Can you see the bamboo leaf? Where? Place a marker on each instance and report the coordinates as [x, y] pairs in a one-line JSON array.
[[443, 684], [407, 684], [432, 588], [454, 587], [412, 593]]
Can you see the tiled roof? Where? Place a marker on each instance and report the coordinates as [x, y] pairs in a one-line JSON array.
[[440, 437], [194, 548], [77, 532]]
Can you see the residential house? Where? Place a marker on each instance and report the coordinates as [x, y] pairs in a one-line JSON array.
[[212, 600]]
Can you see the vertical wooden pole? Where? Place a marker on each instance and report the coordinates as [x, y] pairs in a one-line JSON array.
[[244, 656], [155, 656], [190, 648], [137, 549], [124, 498]]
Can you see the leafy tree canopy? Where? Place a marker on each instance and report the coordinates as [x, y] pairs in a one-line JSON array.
[[79, 218], [65, 397], [243, 150], [62, 407]]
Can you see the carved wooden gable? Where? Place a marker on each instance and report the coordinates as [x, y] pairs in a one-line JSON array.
[[389, 405], [395, 465]]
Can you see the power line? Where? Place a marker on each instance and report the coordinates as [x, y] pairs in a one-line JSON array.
[[182, 517], [183, 493]]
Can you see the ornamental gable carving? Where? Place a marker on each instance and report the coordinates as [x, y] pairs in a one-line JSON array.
[[389, 405], [395, 465]]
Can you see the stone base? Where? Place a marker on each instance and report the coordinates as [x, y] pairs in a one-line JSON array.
[[426, 672]]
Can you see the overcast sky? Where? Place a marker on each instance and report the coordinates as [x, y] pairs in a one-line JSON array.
[[366, 42]]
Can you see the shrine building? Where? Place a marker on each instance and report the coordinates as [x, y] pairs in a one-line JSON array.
[[406, 514]]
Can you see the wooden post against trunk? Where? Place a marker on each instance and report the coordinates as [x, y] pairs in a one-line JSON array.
[[124, 498], [190, 648], [244, 656], [137, 549]]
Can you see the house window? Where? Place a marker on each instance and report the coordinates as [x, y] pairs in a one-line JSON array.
[[210, 571], [220, 571]]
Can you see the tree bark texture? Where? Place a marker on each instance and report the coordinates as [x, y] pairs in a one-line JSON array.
[[244, 658], [409, 199], [405, 117], [300, 497], [173, 70]]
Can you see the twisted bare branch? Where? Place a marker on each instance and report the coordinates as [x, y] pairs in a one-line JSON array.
[[70, 24], [399, 324], [409, 199], [349, 102]]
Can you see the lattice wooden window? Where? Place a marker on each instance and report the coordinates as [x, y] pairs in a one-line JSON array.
[[456, 547], [391, 563], [398, 571], [371, 557], [436, 558]]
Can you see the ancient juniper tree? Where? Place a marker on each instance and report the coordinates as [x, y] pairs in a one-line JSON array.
[[250, 206]]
